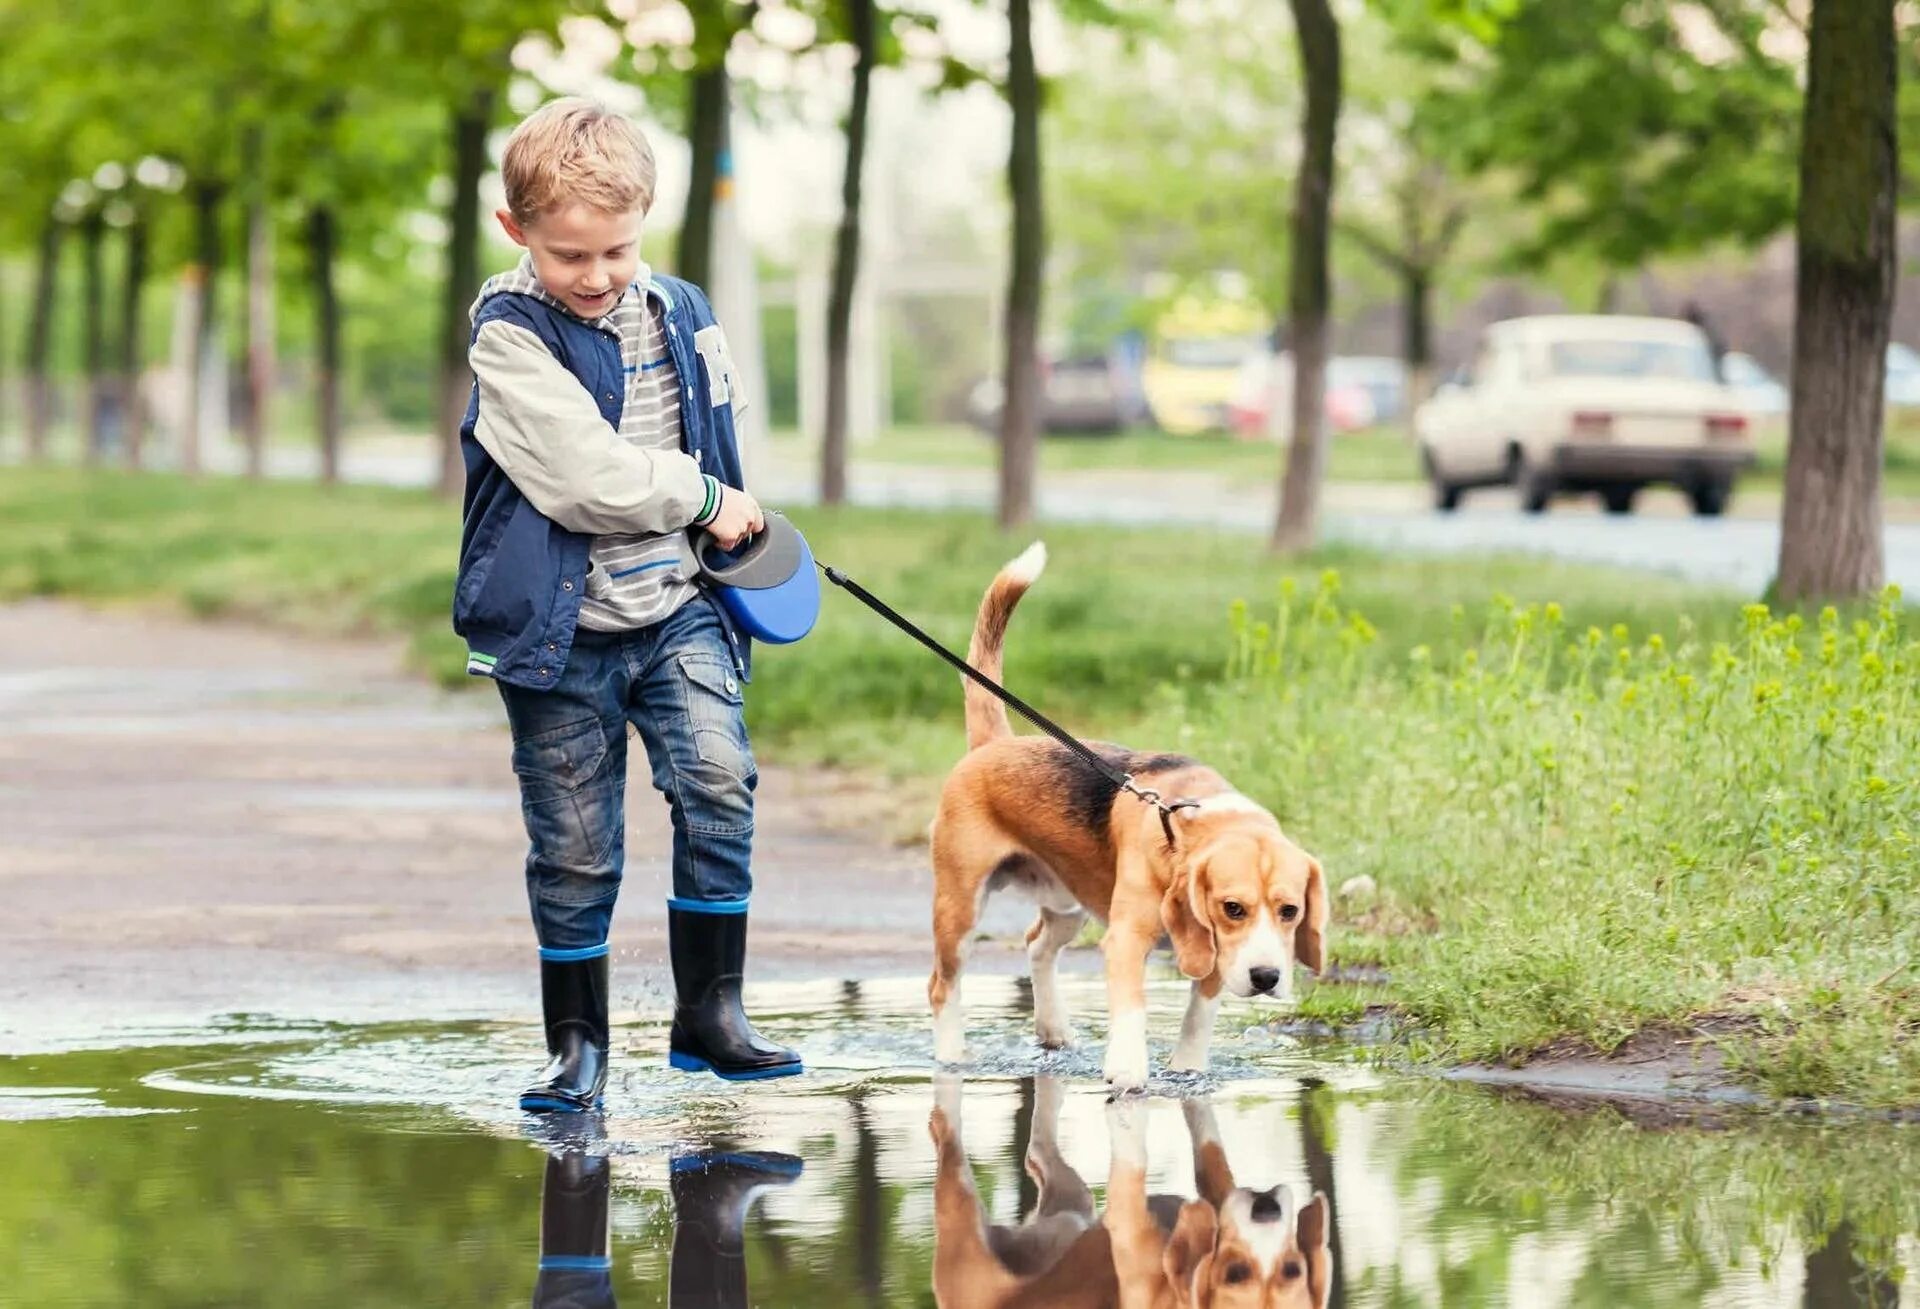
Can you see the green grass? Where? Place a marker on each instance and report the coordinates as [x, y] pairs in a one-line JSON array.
[[1613, 801]]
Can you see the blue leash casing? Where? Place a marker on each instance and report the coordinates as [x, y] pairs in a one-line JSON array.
[[769, 587]]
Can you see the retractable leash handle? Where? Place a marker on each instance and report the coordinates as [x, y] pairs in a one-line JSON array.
[[769, 587]]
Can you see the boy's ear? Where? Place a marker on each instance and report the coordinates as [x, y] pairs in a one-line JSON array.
[[511, 228]]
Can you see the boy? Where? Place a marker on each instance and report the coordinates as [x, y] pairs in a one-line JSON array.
[[600, 429]]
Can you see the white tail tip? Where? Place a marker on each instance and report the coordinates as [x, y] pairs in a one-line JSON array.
[[1028, 566]]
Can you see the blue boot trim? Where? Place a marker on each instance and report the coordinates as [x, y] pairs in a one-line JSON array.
[[693, 1063], [707, 906], [548, 1104], [560, 956], [697, 1163]]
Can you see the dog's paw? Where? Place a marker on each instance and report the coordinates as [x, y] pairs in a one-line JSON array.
[[1055, 1038], [1188, 1059], [1126, 1066], [949, 1038]]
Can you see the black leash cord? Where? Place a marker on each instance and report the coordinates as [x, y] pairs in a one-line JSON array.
[[1123, 781]]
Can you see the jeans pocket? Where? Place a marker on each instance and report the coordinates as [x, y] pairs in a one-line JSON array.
[[557, 763], [715, 714]]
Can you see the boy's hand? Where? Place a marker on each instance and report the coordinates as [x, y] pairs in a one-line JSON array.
[[738, 519]]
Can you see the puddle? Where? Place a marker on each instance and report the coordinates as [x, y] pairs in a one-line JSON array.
[[385, 1164]]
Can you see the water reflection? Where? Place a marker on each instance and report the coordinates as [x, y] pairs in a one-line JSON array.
[[1227, 1246]]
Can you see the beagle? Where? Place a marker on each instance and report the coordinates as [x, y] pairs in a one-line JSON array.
[[1229, 1248], [1240, 901]]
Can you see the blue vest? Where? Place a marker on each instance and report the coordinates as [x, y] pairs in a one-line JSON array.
[[522, 576]]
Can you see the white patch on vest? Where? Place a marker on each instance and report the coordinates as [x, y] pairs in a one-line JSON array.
[[711, 342]]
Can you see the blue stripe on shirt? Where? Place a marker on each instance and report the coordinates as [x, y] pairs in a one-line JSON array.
[[658, 563]]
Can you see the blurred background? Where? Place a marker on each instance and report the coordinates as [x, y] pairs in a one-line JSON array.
[[244, 235]]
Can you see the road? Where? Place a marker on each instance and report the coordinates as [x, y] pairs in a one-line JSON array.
[[1739, 551]]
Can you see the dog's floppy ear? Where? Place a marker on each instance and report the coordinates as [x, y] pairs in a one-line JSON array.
[[1183, 912], [1310, 941], [1189, 1250], [1310, 1232]]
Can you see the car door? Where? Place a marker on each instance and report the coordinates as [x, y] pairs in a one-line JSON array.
[[1447, 420]]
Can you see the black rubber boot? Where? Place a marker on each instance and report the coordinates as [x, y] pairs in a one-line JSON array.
[[573, 993], [712, 1192], [576, 1263], [710, 1030]]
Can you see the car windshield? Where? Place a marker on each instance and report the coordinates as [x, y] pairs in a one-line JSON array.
[[1210, 351], [1687, 360]]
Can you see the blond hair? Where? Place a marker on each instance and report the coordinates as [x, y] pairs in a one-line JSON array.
[[572, 151]]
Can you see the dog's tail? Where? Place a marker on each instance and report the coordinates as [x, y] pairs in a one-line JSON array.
[[986, 715]]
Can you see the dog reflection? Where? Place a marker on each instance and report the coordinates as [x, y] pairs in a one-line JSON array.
[[1229, 1248]]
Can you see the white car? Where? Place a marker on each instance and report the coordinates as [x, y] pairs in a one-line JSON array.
[[1571, 403]]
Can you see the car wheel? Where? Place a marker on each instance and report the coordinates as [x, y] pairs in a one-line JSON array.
[[1618, 499], [1535, 484], [1446, 495], [1710, 498]]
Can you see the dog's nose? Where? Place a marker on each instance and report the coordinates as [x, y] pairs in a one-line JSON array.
[[1264, 979], [1266, 1207]]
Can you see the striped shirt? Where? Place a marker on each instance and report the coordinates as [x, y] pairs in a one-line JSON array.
[[633, 581]]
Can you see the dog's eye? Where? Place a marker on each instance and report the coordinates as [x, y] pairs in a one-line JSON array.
[[1289, 912], [1234, 910], [1289, 1270], [1237, 1273]]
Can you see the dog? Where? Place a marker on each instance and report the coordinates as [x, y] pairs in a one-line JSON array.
[[1229, 1248], [1240, 902]]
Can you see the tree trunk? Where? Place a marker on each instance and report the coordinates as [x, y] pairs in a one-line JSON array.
[[46, 280], [321, 243], [1297, 526], [470, 123], [846, 260], [93, 335], [1835, 1278], [259, 329], [1317, 1152], [206, 219], [133, 417], [1830, 532], [1417, 339], [1020, 414], [710, 169]]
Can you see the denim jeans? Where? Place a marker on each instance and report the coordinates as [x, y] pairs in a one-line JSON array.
[[675, 682]]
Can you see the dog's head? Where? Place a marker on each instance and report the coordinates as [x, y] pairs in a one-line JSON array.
[[1243, 900], [1251, 1250]]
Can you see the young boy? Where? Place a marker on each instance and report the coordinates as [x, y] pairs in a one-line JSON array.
[[600, 430]]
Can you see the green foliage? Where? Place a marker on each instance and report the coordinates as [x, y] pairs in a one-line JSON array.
[[1631, 128], [1609, 827]]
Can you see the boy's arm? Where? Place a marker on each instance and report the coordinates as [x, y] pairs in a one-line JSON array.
[[545, 432]]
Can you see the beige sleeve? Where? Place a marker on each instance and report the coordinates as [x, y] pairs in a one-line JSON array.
[[545, 432]]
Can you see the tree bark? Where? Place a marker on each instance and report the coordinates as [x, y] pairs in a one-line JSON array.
[[1020, 413], [707, 135], [259, 328], [40, 336], [321, 242], [1417, 338], [133, 416], [93, 335], [206, 269], [846, 259], [470, 123], [1830, 533], [1297, 525]]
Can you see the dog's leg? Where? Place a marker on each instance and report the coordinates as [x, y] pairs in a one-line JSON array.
[[1062, 1189], [960, 888], [1126, 949], [1212, 1175], [1196, 1031], [1050, 934]]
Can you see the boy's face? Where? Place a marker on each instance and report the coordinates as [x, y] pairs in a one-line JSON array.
[[585, 256]]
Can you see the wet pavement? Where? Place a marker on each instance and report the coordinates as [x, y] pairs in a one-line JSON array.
[[267, 998]]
